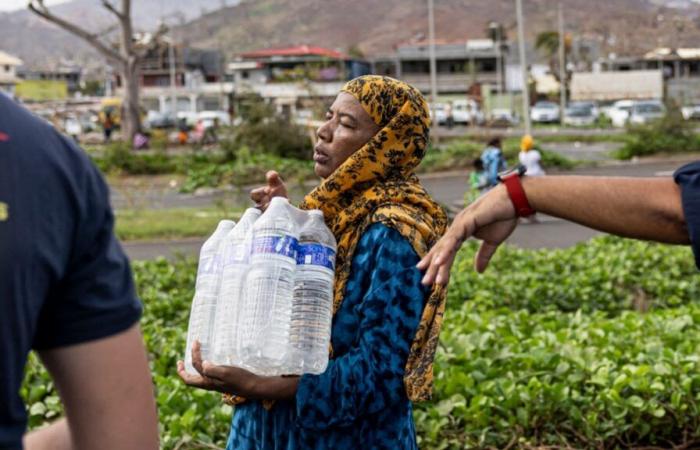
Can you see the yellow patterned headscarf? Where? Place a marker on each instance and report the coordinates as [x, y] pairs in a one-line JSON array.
[[377, 183]]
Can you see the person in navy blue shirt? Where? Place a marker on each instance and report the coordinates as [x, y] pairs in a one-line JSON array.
[[66, 291], [661, 209]]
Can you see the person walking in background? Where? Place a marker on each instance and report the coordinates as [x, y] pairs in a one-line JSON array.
[[449, 116], [530, 157], [477, 181], [493, 160], [107, 125]]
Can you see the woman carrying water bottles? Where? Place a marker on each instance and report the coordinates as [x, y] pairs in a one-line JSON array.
[[386, 323]]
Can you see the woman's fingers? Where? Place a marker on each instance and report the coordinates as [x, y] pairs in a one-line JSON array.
[[275, 188], [190, 379], [197, 357]]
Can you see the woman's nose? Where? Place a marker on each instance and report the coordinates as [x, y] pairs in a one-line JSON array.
[[323, 132]]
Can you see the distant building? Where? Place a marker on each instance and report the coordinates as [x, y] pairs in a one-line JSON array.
[[292, 78], [174, 77], [680, 69], [70, 75], [8, 72], [459, 64], [610, 86]]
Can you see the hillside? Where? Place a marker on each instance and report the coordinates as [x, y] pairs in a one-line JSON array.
[[621, 26], [373, 26], [37, 42]]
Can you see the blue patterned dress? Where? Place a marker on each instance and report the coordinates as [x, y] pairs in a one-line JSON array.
[[360, 400]]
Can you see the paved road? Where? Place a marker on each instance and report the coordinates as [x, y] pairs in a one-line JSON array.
[[448, 188]]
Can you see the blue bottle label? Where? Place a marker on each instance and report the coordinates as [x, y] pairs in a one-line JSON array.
[[278, 245], [316, 254]]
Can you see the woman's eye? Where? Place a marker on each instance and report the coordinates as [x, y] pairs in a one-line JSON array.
[[347, 125]]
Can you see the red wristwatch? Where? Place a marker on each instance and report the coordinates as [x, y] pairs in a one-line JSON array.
[[511, 179]]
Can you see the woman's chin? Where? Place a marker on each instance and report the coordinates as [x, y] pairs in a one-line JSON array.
[[321, 170]]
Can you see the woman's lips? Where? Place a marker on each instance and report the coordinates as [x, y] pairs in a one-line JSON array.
[[320, 158]]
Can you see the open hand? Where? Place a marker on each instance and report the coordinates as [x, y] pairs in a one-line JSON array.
[[491, 218]]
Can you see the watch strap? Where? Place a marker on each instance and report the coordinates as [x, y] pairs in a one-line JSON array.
[[517, 195]]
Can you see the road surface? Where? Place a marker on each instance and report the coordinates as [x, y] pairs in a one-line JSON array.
[[448, 189]]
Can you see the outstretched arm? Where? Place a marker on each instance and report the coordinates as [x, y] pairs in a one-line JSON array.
[[640, 208]]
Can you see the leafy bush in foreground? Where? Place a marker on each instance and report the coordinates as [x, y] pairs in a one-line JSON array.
[[545, 349], [607, 274]]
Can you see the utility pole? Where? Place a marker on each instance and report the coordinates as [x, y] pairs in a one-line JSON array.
[[431, 50], [562, 65], [523, 66], [173, 82]]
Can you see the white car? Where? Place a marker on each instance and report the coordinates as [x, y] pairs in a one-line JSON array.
[[619, 112], [646, 111], [691, 112], [545, 112], [464, 112], [208, 118]]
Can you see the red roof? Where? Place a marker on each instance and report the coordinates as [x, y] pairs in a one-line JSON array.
[[300, 50]]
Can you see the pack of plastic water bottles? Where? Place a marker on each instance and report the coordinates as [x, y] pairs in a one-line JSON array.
[[264, 292]]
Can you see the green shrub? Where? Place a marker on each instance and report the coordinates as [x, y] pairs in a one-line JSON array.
[[672, 134], [566, 380], [544, 349], [248, 167], [605, 274], [264, 131], [118, 157]]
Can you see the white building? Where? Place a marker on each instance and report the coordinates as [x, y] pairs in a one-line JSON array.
[[8, 72]]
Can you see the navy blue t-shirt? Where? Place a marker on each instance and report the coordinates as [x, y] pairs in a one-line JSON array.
[[64, 278], [688, 178]]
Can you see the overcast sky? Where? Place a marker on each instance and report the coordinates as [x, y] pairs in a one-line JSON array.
[[9, 5]]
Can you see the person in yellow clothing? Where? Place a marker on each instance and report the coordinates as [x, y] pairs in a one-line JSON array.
[[530, 157]]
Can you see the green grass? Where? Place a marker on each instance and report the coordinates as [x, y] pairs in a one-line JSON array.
[[151, 224]]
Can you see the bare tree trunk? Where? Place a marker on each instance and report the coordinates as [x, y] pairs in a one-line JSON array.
[[126, 59], [131, 112]]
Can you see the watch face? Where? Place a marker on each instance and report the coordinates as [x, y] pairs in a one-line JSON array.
[[518, 170]]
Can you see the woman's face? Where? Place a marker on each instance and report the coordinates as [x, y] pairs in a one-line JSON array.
[[347, 128]]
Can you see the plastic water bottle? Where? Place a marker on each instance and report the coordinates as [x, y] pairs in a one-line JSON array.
[[312, 307], [206, 293], [265, 314], [236, 251]]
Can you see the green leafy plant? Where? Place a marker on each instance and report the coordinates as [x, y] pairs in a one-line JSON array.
[[595, 347]]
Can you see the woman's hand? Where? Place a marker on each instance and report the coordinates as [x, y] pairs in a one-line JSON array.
[[234, 380], [275, 188]]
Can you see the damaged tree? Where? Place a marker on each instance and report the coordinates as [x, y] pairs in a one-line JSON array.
[[125, 59]]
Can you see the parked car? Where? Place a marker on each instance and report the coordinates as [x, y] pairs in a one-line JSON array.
[[619, 112], [464, 112], [579, 114], [502, 117], [545, 112], [646, 111], [467, 112], [155, 119], [208, 118], [691, 112]]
